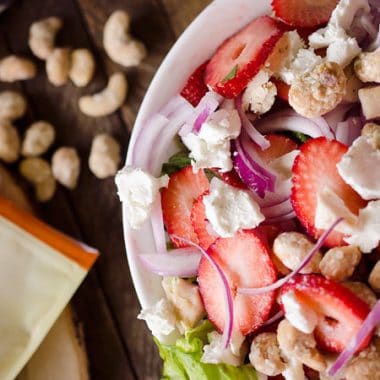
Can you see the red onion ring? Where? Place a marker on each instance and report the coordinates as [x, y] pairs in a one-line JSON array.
[[337, 115], [273, 319], [157, 221], [229, 303], [182, 262], [369, 324], [304, 262], [173, 105], [252, 132]]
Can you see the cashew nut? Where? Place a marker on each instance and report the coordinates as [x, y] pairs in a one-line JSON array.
[[38, 138], [105, 157], [120, 46], [13, 68], [42, 36], [12, 105], [82, 67], [9, 142], [66, 167], [107, 101], [38, 172], [58, 66]]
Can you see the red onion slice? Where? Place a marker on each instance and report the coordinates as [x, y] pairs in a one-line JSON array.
[[252, 132], [173, 105], [157, 221], [305, 261], [182, 262], [349, 130], [337, 115], [273, 319], [280, 218], [369, 324], [229, 303]]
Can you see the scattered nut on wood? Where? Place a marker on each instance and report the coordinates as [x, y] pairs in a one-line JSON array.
[[12, 105], [9, 142], [105, 156], [38, 139], [120, 46], [369, 99], [42, 36], [108, 100], [66, 167], [82, 67], [58, 66], [38, 173], [14, 68]]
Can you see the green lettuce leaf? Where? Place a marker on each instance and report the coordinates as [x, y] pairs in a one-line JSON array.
[[176, 162], [182, 361]]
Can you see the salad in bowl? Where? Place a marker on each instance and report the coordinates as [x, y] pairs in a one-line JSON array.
[[251, 194]]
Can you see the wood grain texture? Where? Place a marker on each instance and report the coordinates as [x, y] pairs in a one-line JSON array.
[[119, 346]]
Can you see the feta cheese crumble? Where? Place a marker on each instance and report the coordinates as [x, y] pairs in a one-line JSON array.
[[215, 353], [360, 168], [260, 93], [329, 208], [367, 233], [229, 209], [138, 190], [211, 146], [160, 318], [299, 315]]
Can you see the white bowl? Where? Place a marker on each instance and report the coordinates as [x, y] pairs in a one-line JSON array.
[[218, 21]]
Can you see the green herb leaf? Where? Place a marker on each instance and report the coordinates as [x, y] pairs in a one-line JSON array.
[[176, 162], [300, 136], [231, 74]]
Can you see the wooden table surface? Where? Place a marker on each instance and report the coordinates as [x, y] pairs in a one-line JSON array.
[[119, 346]]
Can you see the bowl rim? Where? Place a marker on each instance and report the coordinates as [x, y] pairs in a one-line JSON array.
[[221, 18]]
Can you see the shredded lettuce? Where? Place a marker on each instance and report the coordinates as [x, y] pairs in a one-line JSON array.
[[182, 361]]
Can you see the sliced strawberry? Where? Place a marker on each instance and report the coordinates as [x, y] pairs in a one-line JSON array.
[[195, 87], [341, 312], [200, 223], [231, 178], [304, 13], [279, 146], [240, 57], [282, 89], [245, 261], [314, 169], [177, 201]]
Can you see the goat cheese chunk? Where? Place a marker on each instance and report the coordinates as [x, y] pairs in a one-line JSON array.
[[329, 208], [229, 209], [160, 318], [211, 147], [360, 168], [260, 93], [367, 233], [299, 315], [215, 353], [138, 190]]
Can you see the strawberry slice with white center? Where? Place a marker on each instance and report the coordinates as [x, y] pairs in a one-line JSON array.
[[177, 201], [195, 87], [304, 13], [315, 169], [240, 57], [245, 262], [340, 312]]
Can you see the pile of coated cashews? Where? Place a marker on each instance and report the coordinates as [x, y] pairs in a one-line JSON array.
[[64, 64]]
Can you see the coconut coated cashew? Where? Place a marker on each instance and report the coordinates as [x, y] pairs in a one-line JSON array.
[[107, 101], [42, 36], [82, 67], [58, 66], [120, 46], [9, 143], [13, 68], [12, 105]]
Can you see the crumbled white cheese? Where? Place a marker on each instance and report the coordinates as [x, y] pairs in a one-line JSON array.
[[342, 51], [186, 300], [304, 62], [341, 48], [260, 94], [360, 168], [329, 208], [215, 353], [160, 318], [138, 190], [367, 233], [299, 315], [282, 165], [229, 209], [211, 146]]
